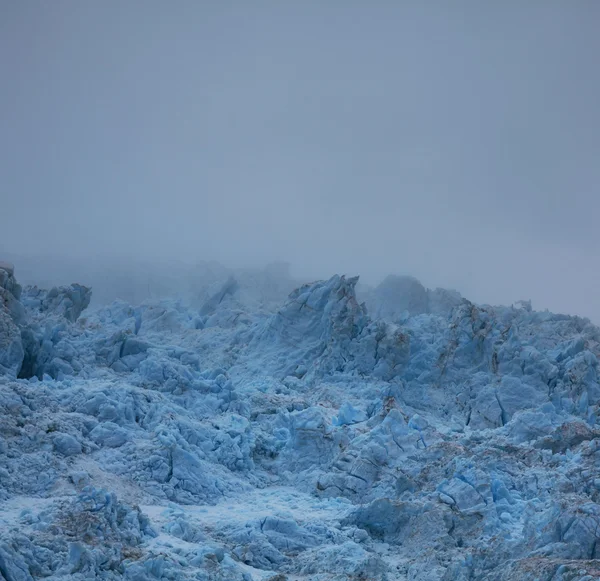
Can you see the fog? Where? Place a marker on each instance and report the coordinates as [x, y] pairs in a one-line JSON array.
[[456, 142]]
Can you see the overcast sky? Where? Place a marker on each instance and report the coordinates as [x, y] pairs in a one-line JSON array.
[[455, 141]]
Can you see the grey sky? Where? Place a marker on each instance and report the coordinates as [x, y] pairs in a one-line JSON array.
[[456, 141]]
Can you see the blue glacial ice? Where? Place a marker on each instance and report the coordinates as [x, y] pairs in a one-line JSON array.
[[332, 433]]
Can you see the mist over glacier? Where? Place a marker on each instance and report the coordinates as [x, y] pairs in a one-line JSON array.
[[393, 139]]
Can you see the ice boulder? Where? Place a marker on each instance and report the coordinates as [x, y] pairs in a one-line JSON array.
[[459, 493], [348, 414], [109, 434], [66, 444]]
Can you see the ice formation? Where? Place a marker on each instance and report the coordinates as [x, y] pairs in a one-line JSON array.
[[418, 436]]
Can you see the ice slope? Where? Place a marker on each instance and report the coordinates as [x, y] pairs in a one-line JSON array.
[[309, 441]]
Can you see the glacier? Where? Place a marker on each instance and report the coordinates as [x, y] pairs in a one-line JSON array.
[[329, 432]]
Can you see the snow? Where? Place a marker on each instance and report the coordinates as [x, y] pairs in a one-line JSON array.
[[252, 435]]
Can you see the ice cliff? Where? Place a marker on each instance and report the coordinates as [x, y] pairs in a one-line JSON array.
[[414, 435]]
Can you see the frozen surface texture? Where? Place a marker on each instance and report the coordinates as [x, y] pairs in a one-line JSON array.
[[415, 437]]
